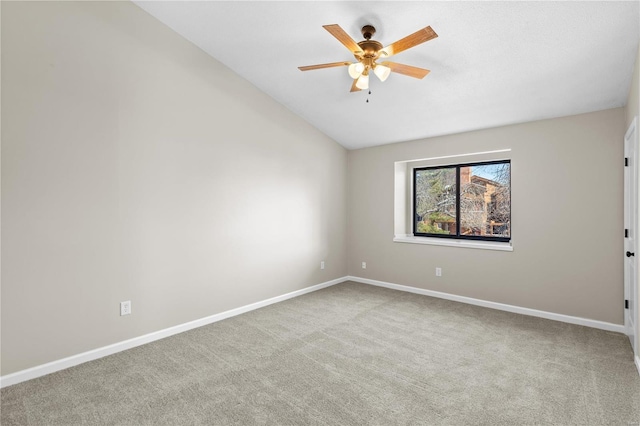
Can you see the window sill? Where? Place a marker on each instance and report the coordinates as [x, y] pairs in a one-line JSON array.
[[483, 245]]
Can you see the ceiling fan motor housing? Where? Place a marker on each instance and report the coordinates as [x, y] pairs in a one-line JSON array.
[[370, 48]]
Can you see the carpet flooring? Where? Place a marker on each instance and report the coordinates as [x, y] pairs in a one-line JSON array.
[[350, 354]]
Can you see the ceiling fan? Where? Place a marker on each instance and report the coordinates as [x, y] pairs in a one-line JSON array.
[[368, 52]]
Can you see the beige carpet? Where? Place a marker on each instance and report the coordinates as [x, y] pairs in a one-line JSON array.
[[351, 354]]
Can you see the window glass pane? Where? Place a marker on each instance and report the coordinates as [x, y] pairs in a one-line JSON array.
[[435, 201], [485, 200]]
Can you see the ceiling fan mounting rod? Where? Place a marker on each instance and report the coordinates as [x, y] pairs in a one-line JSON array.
[[368, 31], [370, 48]]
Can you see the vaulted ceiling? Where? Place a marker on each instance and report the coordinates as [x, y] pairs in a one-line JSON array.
[[493, 63]]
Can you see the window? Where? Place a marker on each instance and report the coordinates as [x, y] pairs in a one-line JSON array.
[[465, 201]]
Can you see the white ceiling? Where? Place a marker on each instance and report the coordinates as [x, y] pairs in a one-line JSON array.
[[494, 63]]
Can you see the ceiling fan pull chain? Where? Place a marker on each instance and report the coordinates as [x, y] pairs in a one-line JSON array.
[[368, 97]]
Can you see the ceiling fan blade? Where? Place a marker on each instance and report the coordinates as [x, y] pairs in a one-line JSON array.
[[409, 41], [406, 69], [354, 88], [343, 37], [320, 66]]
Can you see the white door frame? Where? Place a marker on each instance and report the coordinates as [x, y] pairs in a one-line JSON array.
[[631, 224]]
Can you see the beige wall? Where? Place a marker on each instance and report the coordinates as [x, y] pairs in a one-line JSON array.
[[567, 217], [631, 111], [633, 100], [136, 167]]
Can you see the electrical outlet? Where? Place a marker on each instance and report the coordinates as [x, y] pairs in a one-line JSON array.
[[125, 308], [322, 265], [438, 272], [364, 265]]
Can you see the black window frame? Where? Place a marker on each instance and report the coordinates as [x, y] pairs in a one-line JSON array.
[[457, 235]]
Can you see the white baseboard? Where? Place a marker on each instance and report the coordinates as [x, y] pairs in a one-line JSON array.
[[61, 364], [637, 359], [52, 367], [494, 305]]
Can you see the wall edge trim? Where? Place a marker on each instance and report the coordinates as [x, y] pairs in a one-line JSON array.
[[64, 363], [81, 358], [495, 305]]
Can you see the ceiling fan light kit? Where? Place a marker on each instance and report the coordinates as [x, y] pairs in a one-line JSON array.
[[368, 51], [356, 69], [382, 72], [363, 82]]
